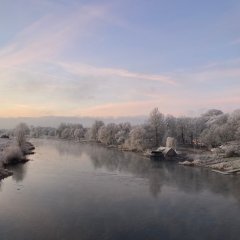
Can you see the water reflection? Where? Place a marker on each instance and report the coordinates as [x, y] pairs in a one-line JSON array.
[[157, 174], [187, 179], [19, 172], [85, 191]]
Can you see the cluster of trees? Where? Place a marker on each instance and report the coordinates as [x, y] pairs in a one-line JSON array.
[[37, 132], [221, 128], [71, 131], [210, 129]]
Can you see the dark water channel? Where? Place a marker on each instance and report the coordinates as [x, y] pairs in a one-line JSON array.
[[81, 191]]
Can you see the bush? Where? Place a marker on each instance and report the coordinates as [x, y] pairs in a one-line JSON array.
[[12, 154]]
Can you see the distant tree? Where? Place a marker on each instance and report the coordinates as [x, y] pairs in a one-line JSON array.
[[21, 131], [210, 137], [156, 121], [221, 128], [237, 134], [94, 129], [52, 132], [123, 132], [136, 139], [60, 129], [234, 119], [79, 133], [182, 130], [87, 134], [171, 126], [212, 112], [66, 133], [107, 134]]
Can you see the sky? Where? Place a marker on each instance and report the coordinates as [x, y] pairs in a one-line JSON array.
[[118, 57]]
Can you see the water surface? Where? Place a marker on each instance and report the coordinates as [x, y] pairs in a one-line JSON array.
[[82, 191]]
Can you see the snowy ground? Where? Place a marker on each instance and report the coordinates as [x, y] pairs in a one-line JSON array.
[[217, 159], [227, 164], [4, 143]]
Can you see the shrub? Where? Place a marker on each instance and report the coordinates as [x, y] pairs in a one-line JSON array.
[[12, 154]]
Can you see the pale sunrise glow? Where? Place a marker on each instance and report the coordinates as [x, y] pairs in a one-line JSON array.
[[103, 58]]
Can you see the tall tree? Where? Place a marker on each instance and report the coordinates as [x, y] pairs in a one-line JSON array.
[[156, 121], [95, 129]]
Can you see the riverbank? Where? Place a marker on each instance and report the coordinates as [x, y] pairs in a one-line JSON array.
[[224, 159], [11, 153]]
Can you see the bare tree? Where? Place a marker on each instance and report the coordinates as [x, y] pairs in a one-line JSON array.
[[156, 121], [21, 131]]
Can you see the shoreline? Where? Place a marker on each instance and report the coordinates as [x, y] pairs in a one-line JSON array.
[[12, 154], [217, 159], [186, 156], [205, 158], [191, 157]]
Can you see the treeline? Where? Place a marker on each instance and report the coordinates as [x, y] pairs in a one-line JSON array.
[[210, 129]]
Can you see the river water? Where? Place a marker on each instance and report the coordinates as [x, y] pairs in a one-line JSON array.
[[85, 191]]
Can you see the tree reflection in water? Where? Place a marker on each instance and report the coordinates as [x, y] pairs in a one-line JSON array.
[[156, 174], [19, 171], [187, 179]]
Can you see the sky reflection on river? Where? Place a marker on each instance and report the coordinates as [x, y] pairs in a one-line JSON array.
[[83, 191]]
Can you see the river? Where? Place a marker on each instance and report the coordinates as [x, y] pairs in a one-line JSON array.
[[85, 191]]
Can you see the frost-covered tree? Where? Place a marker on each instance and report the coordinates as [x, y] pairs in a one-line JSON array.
[[237, 134], [213, 128], [66, 133], [94, 129], [123, 132], [21, 131], [211, 136], [136, 139], [212, 113], [234, 119], [182, 130], [221, 128], [107, 134], [61, 128], [79, 133], [37, 132], [156, 121], [171, 126]]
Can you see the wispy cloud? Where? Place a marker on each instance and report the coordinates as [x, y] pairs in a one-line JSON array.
[[40, 76], [219, 73], [47, 37], [83, 69]]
